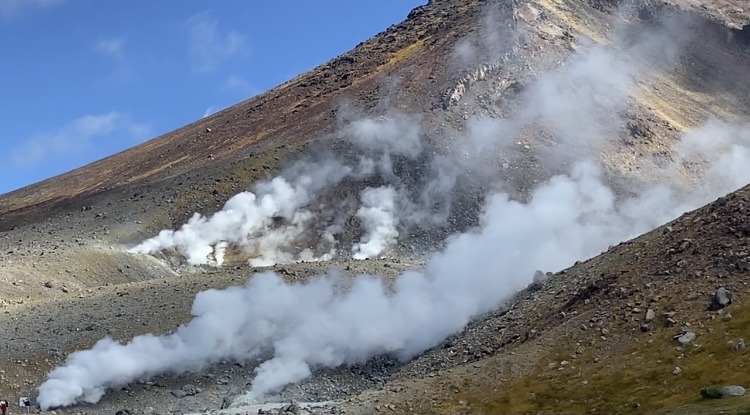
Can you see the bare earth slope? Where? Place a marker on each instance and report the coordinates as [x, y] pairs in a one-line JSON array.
[[577, 343]]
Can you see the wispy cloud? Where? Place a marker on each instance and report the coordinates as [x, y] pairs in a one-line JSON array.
[[208, 46], [111, 47], [237, 84], [209, 111], [114, 49], [11, 9], [77, 137]]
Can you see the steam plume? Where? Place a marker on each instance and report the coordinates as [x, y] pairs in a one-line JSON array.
[[268, 222], [318, 323], [247, 220], [329, 321], [377, 213]]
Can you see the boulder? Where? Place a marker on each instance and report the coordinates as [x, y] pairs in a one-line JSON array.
[[686, 337], [540, 277], [191, 390], [684, 244], [650, 315], [178, 393], [721, 299], [187, 390], [292, 409], [738, 345], [538, 281], [732, 390]]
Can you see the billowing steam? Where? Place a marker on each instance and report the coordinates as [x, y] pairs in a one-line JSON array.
[[378, 214], [332, 320], [724, 148], [270, 224], [329, 322], [247, 220]]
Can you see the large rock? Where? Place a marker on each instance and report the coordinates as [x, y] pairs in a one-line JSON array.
[[721, 299], [738, 345], [191, 390], [178, 393], [540, 277], [686, 337], [187, 390], [650, 315], [732, 390], [294, 409], [538, 281]]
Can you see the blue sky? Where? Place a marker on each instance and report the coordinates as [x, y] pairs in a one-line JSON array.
[[83, 79]]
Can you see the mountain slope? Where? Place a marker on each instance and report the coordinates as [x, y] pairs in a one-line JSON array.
[[570, 79]]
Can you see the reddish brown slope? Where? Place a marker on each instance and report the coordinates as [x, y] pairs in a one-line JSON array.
[[297, 111]]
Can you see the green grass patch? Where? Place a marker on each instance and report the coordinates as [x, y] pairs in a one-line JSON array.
[[638, 380]]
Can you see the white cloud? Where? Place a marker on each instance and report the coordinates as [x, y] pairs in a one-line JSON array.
[[237, 84], [210, 110], [112, 47], [77, 136], [138, 131], [10, 9], [208, 47]]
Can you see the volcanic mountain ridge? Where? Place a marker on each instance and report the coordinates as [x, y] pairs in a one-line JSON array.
[[582, 339]]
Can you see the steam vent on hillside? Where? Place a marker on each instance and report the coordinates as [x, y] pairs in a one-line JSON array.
[[491, 207]]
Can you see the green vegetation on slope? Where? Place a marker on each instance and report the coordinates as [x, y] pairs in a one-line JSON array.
[[640, 380]]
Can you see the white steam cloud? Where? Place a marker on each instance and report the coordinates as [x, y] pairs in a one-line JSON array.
[[332, 320], [378, 214], [725, 150], [323, 322], [250, 221], [269, 224]]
